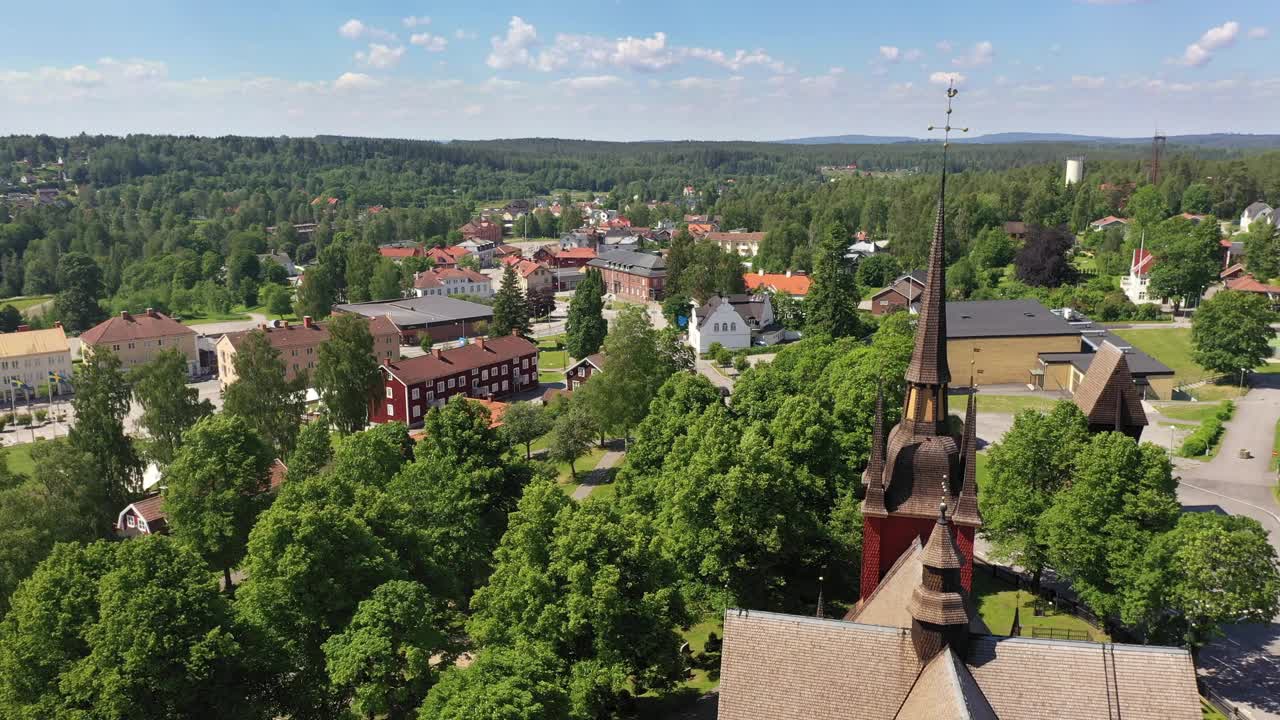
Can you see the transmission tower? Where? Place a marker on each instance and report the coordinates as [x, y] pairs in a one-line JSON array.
[[1157, 153]]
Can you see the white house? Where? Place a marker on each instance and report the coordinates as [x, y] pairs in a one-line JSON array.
[[1135, 283], [1108, 222], [482, 249], [451, 281], [1256, 211], [730, 321]]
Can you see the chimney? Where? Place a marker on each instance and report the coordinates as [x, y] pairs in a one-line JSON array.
[[386, 362], [437, 353], [760, 272], [788, 273], [151, 312], [124, 315], [286, 324], [480, 342], [57, 324], [515, 332], [306, 321], [23, 328]]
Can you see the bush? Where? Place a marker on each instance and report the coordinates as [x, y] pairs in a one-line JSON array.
[[24, 419], [1225, 410], [1204, 437], [42, 415], [4, 420], [723, 357], [740, 363]]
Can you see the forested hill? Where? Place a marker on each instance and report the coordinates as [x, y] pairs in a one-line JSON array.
[[415, 170]]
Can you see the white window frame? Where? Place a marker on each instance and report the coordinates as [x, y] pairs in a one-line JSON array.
[[391, 410], [452, 383], [415, 393], [389, 393]]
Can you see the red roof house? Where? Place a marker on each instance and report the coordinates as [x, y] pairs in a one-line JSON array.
[[796, 284]]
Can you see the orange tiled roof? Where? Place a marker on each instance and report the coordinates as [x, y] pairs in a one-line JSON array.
[[797, 285]]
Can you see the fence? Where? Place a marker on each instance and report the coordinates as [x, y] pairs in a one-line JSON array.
[[1221, 704], [1060, 603]]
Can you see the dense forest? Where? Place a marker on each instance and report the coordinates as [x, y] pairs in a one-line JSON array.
[[176, 222]]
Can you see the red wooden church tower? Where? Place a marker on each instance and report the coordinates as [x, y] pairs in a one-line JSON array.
[[922, 464]]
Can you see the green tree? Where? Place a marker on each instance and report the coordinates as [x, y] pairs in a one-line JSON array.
[[347, 374], [962, 280], [636, 371], [586, 328], [312, 452], [362, 260], [271, 405], [502, 684], [1208, 571], [1232, 331], [60, 502], [169, 406], [680, 400], [100, 404], [386, 657], [584, 579], [1027, 468], [318, 291], [1262, 250], [79, 287], [1122, 495], [1186, 259], [309, 565], [277, 299], [510, 309], [10, 318], [524, 422], [215, 489], [1196, 198], [572, 435], [1146, 207], [992, 250], [831, 307], [878, 270], [385, 283]]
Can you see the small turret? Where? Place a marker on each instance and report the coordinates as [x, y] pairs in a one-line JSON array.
[[939, 615]]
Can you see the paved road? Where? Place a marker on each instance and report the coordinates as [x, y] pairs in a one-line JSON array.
[[593, 479]]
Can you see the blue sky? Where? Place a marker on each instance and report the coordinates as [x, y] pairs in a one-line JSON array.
[[629, 70]]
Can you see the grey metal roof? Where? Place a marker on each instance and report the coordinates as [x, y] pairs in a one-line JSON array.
[[1140, 364], [749, 307], [631, 261], [1003, 318], [422, 311]]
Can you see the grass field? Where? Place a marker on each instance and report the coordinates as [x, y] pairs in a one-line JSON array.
[[201, 318], [1171, 346], [585, 464], [24, 302], [1012, 404], [1196, 412], [1275, 447], [19, 457], [996, 600]]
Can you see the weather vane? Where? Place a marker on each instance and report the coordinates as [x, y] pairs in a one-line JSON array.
[[946, 126]]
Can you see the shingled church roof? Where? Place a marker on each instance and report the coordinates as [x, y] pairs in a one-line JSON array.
[[1107, 396]]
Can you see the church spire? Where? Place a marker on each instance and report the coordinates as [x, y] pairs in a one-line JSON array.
[[967, 506], [873, 478], [939, 613], [929, 361]]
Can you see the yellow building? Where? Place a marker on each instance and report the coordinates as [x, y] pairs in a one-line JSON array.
[[137, 339], [299, 346], [999, 342], [31, 355]]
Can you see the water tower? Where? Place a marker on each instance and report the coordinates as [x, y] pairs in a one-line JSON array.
[[1075, 169]]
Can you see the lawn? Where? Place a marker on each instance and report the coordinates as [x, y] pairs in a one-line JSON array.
[[703, 680], [1209, 712], [262, 310], [1013, 404], [1275, 448], [202, 317], [1196, 412], [996, 600], [22, 302], [19, 459], [585, 464], [1171, 346]]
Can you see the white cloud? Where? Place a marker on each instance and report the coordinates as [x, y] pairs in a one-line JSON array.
[[944, 46], [1258, 33], [414, 21], [136, 69], [1088, 82], [461, 34], [355, 81], [353, 29], [693, 83], [912, 55], [890, 53], [1201, 51], [1033, 88], [500, 85], [946, 78], [589, 82], [739, 60], [380, 56], [429, 42], [980, 54], [513, 48], [643, 53], [79, 75]]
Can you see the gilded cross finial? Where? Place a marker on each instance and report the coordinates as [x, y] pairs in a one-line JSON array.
[[946, 126], [942, 504]]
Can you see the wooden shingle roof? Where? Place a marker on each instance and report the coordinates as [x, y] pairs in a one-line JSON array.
[[1107, 396]]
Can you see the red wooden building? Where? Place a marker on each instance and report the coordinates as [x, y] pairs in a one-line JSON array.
[[486, 368]]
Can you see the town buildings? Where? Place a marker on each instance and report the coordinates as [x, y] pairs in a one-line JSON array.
[[484, 250], [733, 321], [577, 374], [433, 316], [486, 368], [299, 346], [147, 516], [902, 294], [1108, 222], [399, 252], [535, 278], [1257, 211], [451, 281], [738, 242], [914, 648], [34, 357], [138, 338], [1135, 284], [446, 257], [482, 230], [795, 284], [574, 257], [632, 275]]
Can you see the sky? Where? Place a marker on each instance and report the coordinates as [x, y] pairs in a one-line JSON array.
[[632, 70]]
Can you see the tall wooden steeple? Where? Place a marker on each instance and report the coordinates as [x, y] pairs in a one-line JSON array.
[[922, 464]]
